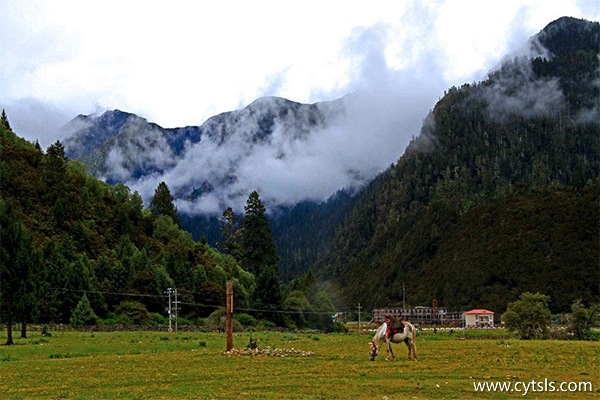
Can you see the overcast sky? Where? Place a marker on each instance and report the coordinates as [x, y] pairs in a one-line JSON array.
[[177, 63]]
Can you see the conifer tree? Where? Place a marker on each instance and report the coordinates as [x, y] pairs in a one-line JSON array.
[[257, 247], [162, 203], [83, 313], [229, 229], [268, 297], [18, 257], [4, 119], [259, 257]]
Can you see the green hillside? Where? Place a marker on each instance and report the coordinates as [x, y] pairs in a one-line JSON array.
[[84, 236], [498, 194], [77, 250]]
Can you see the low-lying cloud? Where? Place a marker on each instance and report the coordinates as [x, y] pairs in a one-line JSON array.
[[364, 133], [516, 90]]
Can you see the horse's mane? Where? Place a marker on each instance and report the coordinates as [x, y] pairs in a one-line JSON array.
[[381, 333]]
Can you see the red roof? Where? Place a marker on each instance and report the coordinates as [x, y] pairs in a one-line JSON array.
[[479, 311]]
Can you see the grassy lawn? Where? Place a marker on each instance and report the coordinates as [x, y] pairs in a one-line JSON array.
[[152, 365]]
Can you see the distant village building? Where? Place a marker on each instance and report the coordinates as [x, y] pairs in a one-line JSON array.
[[479, 318], [421, 315]]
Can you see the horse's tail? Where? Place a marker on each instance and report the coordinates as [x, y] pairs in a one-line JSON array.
[[414, 340]]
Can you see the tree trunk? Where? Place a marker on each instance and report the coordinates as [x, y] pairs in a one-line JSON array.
[[9, 339], [23, 330]]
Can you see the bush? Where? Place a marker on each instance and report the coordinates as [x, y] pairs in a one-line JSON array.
[[246, 319], [45, 331], [529, 317], [158, 319], [289, 324], [136, 311], [216, 321], [265, 323], [340, 327], [182, 321]]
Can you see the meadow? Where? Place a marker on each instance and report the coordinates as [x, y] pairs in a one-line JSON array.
[[194, 365]]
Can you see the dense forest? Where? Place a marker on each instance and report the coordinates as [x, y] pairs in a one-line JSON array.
[[300, 232], [497, 195], [68, 239]]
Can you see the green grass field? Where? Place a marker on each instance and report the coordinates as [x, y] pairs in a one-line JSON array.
[[155, 365]]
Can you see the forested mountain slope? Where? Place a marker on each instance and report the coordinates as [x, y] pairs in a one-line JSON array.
[[496, 196], [83, 236], [70, 242]]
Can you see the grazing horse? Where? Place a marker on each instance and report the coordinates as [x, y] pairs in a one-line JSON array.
[[407, 336]]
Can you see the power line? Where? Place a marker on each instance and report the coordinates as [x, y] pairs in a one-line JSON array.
[[175, 307], [109, 293]]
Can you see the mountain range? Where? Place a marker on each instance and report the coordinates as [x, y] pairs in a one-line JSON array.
[[289, 152], [497, 195]]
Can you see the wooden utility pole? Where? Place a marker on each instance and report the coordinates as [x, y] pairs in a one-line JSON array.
[[229, 316]]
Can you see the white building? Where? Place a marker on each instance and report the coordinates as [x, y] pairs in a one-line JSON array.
[[479, 318]]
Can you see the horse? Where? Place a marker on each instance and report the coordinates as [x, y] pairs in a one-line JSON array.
[[408, 336]]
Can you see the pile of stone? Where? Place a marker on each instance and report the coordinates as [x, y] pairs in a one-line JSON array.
[[269, 352]]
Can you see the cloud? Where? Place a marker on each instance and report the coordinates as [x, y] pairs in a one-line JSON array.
[[118, 169], [592, 114], [181, 63], [33, 115], [515, 90], [393, 82], [367, 130]]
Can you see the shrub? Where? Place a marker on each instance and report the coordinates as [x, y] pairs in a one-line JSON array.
[[265, 323], [46, 331], [183, 321], [216, 321], [246, 319], [529, 316], [158, 319], [135, 311]]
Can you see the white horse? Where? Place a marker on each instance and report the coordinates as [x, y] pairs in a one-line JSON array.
[[408, 336]]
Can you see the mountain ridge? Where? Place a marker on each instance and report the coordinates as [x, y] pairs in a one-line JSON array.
[[125, 148], [495, 145]]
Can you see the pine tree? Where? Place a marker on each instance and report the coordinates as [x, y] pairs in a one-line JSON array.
[[162, 203], [259, 256], [83, 314], [229, 230], [54, 171], [257, 247], [268, 294], [4, 120], [18, 257]]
